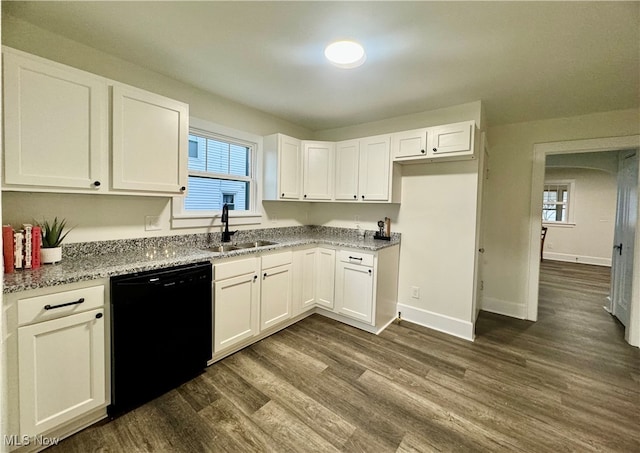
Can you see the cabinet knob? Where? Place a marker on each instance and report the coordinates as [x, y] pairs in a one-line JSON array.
[[96, 183], [363, 197], [183, 188], [423, 151], [282, 195], [355, 197], [98, 315], [305, 195], [255, 277], [264, 276], [369, 271], [435, 150]]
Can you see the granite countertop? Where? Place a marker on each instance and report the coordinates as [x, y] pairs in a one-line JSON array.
[[104, 259]]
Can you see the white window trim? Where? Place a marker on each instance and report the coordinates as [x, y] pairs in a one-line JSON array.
[[570, 222], [194, 219]]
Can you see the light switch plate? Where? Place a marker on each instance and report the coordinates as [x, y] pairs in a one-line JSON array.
[[152, 223]]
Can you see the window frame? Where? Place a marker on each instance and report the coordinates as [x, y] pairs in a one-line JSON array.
[[182, 218], [570, 203]]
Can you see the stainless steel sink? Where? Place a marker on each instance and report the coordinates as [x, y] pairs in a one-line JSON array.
[[223, 248], [254, 244]]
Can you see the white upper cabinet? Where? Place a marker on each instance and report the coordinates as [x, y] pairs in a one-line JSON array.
[[374, 168], [318, 158], [433, 144], [409, 144], [55, 125], [347, 166], [57, 132], [282, 177], [452, 139], [150, 140]]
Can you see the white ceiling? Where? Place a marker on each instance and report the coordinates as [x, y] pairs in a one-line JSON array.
[[525, 60]]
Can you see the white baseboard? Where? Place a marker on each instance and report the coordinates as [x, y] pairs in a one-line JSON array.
[[595, 260], [504, 307], [436, 321]]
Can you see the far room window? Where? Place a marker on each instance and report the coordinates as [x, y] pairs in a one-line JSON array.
[[556, 202], [220, 171]]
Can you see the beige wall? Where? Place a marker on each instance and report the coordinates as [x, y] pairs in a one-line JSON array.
[[117, 217], [509, 192], [589, 241]]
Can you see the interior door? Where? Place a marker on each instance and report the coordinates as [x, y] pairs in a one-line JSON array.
[[626, 219]]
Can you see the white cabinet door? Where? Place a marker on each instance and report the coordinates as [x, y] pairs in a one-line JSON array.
[[55, 120], [325, 277], [289, 167], [61, 370], [275, 303], [318, 170], [307, 278], [374, 174], [354, 291], [150, 142], [347, 162], [409, 143], [452, 139], [236, 310]]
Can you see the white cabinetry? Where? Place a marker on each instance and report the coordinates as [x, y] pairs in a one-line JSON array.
[[277, 289], [364, 171], [318, 158], [282, 167], [305, 271], [410, 144], [347, 167], [149, 136], [325, 277], [434, 144], [236, 303], [57, 132], [354, 285], [61, 356], [55, 125]]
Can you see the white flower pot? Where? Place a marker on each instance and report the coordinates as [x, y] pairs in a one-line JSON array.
[[50, 255]]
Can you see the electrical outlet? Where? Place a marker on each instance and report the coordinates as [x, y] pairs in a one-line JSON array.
[[415, 292], [152, 223]]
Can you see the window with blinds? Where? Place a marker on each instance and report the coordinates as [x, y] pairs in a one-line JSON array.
[[220, 171]]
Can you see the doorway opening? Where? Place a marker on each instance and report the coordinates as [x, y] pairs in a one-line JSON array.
[[541, 153]]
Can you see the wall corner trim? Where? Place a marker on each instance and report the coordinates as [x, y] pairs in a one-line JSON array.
[[442, 323], [504, 307]]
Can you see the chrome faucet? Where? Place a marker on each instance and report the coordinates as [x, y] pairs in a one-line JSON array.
[[226, 234]]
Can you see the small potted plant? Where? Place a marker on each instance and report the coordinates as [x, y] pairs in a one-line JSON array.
[[52, 236]]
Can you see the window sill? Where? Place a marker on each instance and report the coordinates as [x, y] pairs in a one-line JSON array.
[[559, 225], [204, 220]]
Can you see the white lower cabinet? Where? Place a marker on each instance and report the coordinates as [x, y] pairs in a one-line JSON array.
[[277, 289], [354, 286], [236, 292], [305, 278], [325, 277], [61, 358]]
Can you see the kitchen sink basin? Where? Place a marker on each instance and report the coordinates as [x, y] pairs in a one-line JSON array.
[[223, 248], [254, 244]]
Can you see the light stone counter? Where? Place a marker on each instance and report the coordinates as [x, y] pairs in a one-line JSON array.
[[104, 259]]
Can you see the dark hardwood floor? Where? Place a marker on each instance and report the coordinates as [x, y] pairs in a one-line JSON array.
[[568, 382]]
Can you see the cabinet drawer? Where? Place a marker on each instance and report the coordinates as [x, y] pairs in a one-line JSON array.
[[51, 306], [235, 268], [277, 259], [364, 259]]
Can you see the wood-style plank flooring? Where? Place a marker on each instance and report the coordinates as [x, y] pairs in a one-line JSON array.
[[568, 382]]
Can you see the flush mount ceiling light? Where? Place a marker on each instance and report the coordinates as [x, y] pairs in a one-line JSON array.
[[345, 54]]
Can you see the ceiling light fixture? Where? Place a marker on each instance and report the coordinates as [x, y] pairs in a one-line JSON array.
[[345, 54]]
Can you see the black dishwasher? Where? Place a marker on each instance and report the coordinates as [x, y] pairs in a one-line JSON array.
[[161, 330]]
